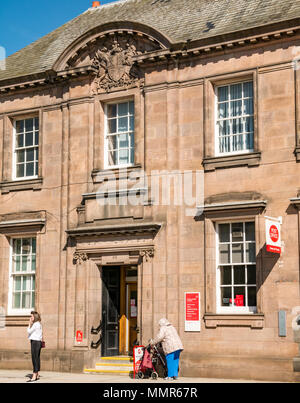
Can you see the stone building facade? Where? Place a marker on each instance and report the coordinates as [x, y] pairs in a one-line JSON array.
[[142, 89]]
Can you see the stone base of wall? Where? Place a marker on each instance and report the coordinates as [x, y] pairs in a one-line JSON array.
[[232, 367], [51, 360]]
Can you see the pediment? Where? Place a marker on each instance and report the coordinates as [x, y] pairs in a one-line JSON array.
[[110, 57]]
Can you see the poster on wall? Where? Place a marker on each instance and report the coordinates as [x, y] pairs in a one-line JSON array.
[[192, 311], [273, 234]]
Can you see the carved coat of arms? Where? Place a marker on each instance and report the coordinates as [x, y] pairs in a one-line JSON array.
[[114, 66]]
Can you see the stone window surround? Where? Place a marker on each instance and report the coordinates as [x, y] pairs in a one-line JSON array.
[[212, 214], [30, 226], [101, 100], [210, 160], [8, 184]]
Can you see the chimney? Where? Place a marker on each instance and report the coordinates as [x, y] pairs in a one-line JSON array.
[[96, 4]]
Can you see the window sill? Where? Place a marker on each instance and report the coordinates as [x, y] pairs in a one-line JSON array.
[[19, 185], [232, 160], [123, 172], [255, 321]]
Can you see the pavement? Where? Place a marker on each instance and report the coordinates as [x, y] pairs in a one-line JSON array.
[[19, 376]]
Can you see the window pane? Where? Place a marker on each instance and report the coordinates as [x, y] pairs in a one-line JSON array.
[[249, 141], [124, 156], [239, 275], [17, 261], [131, 136], [36, 138], [24, 263], [251, 274], [224, 254], [17, 301], [131, 108], [123, 109], [29, 125], [33, 300], [26, 300], [223, 110], [113, 158], [29, 139], [18, 283], [224, 232], [250, 252], [20, 141], [123, 125], [20, 126], [30, 169], [239, 296], [30, 154], [26, 246], [248, 89], [20, 156], [252, 296], [33, 242], [36, 123], [124, 141], [131, 123], [236, 108], [224, 128], [237, 253], [20, 170], [112, 126], [249, 125], [225, 296], [248, 106], [17, 246], [223, 94], [112, 143], [33, 263], [250, 231], [226, 275], [132, 155], [236, 91], [112, 111], [237, 232], [237, 126]]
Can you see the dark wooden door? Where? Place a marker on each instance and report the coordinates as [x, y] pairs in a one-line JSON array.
[[110, 310]]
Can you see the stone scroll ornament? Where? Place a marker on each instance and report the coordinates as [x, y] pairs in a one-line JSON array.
[[79, 257], [114, 66]]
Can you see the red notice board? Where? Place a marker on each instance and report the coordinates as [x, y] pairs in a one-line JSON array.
[[192, 311]]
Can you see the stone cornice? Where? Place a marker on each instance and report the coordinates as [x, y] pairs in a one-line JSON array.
[[178, 52]]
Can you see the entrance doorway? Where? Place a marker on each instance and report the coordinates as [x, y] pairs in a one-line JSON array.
[[119, 310]]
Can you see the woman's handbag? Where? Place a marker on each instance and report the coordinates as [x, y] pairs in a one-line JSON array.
[[43, 344]]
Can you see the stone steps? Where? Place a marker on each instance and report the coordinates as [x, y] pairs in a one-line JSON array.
[[121, 365]]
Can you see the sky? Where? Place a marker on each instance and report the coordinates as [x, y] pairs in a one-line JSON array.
[[24, 21]]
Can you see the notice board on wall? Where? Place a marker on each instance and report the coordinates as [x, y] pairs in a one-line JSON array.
[[192, 312]]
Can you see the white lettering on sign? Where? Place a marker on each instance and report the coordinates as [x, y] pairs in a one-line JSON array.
[[273, 235]]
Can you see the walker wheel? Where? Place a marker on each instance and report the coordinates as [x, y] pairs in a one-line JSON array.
[[140, 375], [154, 375]]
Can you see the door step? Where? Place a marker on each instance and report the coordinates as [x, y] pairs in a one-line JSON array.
[[120, 365]]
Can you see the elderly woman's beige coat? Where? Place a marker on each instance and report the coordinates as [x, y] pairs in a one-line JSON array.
[[168, 336]]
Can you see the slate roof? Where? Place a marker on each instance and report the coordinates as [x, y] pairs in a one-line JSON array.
[[178, 20]]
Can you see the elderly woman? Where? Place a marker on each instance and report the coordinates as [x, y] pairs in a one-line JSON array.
[[171, 345]]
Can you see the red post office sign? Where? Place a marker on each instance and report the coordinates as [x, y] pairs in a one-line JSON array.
[[79, 336], [273, 235], [192, 312]]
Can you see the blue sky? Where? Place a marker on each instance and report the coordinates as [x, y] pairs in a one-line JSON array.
[[24, 21]]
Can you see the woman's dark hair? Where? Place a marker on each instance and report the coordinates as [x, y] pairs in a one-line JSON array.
[[37, 316]]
